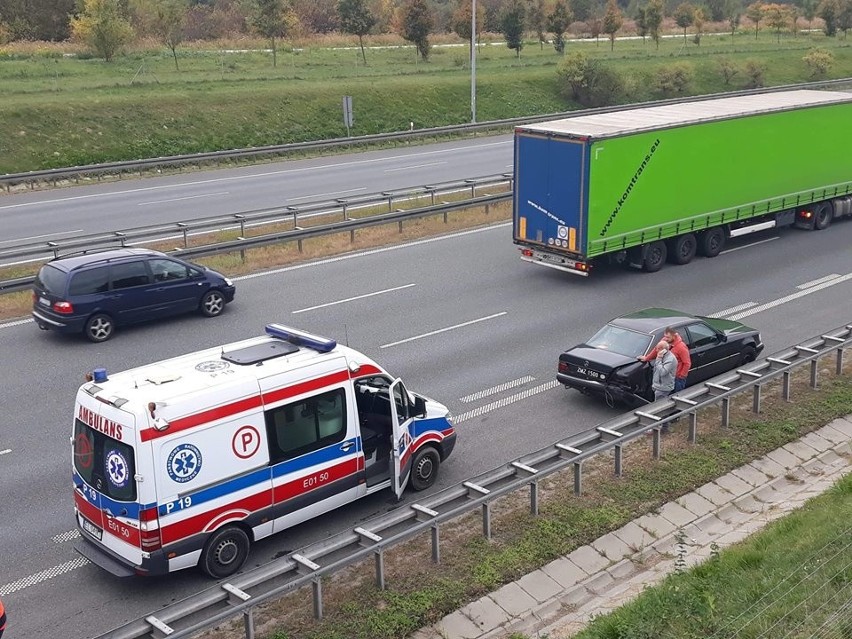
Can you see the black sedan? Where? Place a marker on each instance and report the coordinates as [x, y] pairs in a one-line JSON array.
[[607, 364]]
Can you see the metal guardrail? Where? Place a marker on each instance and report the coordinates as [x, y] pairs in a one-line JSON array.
[[127, 166], [293, 214], [308, 565]]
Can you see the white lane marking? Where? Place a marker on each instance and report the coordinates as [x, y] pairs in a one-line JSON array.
[[733, 309], [444, 330], [178, 199], [38, 237], [476, 412], [6, 451], [66, 536], [331, 260], [351, 299], [416, 166], [791, 297], [317, 195], [819, 281], [497, 389], [749, 245], [249, 176], [44, 575]]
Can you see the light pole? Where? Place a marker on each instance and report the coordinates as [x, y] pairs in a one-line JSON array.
[[473, 61]]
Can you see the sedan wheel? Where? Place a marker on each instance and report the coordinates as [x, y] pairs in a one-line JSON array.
[[212, 304]]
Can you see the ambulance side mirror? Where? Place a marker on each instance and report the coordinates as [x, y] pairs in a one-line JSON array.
[[161, 424], [419, 406]]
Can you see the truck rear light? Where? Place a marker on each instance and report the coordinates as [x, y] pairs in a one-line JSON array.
[[526, 252], [149, 528], [63, 307], [805, 215]]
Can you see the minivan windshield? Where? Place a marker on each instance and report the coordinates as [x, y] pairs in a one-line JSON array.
[[51, 279], [621, 340]]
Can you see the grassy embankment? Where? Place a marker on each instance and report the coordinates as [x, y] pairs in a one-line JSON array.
[[420, 593]]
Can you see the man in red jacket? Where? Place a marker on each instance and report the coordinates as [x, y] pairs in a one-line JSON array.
[[681, 353]]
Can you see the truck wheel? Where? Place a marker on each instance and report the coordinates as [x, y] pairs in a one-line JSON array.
[[683, 249], [712, 242], [655, 257], [424, 468], [823, 214], [225, 552]]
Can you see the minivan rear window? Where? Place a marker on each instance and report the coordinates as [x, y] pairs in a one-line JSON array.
[[95, 280], [51, 279]]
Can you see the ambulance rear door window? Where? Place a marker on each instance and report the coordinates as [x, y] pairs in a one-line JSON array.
[[106, 464], [307, 425]]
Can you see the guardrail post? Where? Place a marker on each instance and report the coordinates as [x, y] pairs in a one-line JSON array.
[[785, 386], [755, 399], [55, 247], [578, 478], [534, 497], [839, 366], [182, 226], [436, 547], [486, 520], [814, 380], [692, 436], [242, 219], [657, 444], [431, 191], [295, 212], [472, 187], [389, 196], [380, 569], [726, 412], [618, 460], [248, 623], [316, 586], [122, 238]]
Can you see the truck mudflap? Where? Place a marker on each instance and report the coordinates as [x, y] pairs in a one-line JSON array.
[[558, 262]]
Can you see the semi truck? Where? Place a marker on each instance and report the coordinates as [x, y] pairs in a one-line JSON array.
[[646, 185]]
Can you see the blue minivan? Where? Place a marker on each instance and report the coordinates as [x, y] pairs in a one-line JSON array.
[[93, 292]]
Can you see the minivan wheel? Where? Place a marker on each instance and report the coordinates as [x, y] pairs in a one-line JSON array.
[[99, 328], [212, 304], [225, 552]]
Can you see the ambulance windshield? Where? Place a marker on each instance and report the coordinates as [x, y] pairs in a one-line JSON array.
[[106, 464]]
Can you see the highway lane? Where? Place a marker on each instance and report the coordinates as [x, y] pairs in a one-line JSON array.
[[50, 214], [453, 317]]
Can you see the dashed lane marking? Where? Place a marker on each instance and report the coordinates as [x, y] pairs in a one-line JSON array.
[[61, 538], [44, 575], [476, 412], [733, 309], [444, 330], [827, 278], [791, 297], [497, 389]]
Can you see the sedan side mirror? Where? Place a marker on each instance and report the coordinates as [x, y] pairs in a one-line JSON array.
[[722, 337]]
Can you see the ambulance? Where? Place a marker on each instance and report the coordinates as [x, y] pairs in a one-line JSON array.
[[187, 461]]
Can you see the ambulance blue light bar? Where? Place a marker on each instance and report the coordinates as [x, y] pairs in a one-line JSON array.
[[301, 338]]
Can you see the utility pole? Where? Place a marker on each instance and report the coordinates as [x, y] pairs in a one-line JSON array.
[[473, 61]]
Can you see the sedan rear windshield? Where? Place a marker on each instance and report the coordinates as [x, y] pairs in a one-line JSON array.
[[51, 279], [621, 340]]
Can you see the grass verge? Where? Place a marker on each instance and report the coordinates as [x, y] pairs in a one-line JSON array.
[[420, 592]]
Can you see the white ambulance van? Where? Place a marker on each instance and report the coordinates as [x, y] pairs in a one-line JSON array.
[[187, 461]]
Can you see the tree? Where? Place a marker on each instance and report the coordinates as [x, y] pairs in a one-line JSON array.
[[165, 19], [537, 20], [558, 22], [684, 16], [654, 18], [819, 61], [588, 81], [581, 9], [844, 20], [755, 13], [356, 18], [416, 25], [513, 25], [595, 24], [698, 23], [641, 21], [103, 27], [733, 14], [613, 19], [809, 11], [37, 19], [716, 10], [829, 11], [272, 19], [462, 20], [777, 16]]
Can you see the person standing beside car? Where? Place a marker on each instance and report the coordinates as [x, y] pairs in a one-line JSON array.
[[2, 618], [665, 367], [680, 351]]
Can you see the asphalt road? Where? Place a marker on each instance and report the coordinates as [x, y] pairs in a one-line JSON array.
[[48, 215], [452, 316]]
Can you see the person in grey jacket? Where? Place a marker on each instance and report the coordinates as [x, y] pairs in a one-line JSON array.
[[665, 365]]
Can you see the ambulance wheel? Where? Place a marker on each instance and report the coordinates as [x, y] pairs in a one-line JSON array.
[[212, 304], [99, 328], [655, 257], [424, 468], [712, 242], [225, 552]]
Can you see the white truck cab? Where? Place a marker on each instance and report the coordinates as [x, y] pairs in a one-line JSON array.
[[187, 461]]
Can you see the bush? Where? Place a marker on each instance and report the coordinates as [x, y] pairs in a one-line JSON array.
[[727, 69], [589, 81], [673, 79], [819, 61], [754, 70]]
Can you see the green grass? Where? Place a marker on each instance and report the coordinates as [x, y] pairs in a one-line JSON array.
[[790, 580], [420, 594], [61, 111]]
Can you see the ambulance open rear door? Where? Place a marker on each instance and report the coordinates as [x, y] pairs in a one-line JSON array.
[[402, 440]]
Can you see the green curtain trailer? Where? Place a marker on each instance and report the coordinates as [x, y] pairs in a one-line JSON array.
[[645, 185]]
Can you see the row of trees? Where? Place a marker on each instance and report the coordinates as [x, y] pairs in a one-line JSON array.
[[108, 25]]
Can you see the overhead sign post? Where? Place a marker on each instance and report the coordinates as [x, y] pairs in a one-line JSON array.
[[347, 113]]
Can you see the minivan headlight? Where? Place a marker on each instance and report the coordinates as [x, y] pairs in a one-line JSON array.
[[228, 282]]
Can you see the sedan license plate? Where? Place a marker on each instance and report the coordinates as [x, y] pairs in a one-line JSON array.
[[588, 372], [44, 301], [90, 528]]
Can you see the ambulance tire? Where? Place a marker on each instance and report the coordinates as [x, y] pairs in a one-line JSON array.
[[99, 328], [424, 468], [225, 552], [212, 304]]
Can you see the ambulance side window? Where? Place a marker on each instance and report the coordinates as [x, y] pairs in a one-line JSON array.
[[307, 425]]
